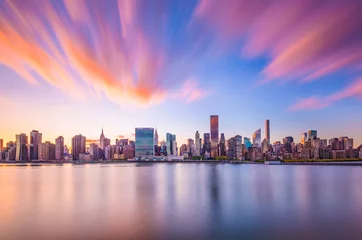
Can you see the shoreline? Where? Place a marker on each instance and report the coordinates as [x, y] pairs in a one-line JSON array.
[[306, 163]]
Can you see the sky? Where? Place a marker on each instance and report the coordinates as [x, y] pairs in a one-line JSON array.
[[71, 67]]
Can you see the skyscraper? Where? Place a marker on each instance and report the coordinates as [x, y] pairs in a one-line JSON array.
[[222, 147], [59, 148], [207, 144], [1, 144], [35, 139], [21, 147], [46, 151], [257, 137], [304, 138], [93, 150], [267, 130], [101, 139], [247, 143], [214, 131], [78, 146], [312, 134], [169, 143], [197, 142], [144, 142], [156, 138]]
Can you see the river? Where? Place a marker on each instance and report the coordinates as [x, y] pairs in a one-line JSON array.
[[180, 201]]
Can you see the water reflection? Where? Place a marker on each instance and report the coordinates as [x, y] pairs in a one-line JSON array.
[[178, 201]]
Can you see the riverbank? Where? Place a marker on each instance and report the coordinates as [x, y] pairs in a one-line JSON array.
[[356, 162]]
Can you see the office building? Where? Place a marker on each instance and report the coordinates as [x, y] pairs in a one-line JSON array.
[[170, 138], [78, 146], [247, 143], [21, 147], [59, 148], [265, 146], [267, 130], [128, 152], [207, 144], [144, 142], [257, 137], [46, 151], [1, 144], [214, 133], [101, 139], [312, 134], [94, 150], [288, 139], [156, 138], [35, 139], [304, 138], [198, 144], [222, 146]]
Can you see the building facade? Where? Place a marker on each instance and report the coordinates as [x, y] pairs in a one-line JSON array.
[[78, 146], [257, 137], [144, 142], [21, 147], [267, 130], [312, 134], [35, 139], [198, 144], [59, 148], [214, 133]]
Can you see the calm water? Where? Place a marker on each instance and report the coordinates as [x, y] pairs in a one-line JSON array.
[[179, 201]]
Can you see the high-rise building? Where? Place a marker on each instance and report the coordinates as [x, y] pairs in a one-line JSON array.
[[1, 144], [93, 150], [156, 138], [59, 148], [207, 144], [169, 143], [144, 142], [35, 139], [214, 133], [21, 147], [222, 146], [312, 134], [101, 139], [235, 147], [198, 144], [304, 138], [265, 146], [247, 143], [257, 137], [46, 151], [106, 142], [78, 146], [267, 130], [288, 139]]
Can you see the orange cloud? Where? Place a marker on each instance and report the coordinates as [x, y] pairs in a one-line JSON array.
[[83, 52]]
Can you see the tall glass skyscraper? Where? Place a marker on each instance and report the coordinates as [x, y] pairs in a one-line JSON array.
[[214, 130], [257, 137], [144, 142], [170, 142]]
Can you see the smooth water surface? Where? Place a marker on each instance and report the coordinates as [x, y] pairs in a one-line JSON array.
[[179, 201]]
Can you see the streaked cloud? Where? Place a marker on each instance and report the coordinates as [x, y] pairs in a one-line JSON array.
[[91, 49], [304, 39], [314, 102]]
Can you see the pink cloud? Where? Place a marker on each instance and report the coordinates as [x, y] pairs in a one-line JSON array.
[[84, 53], [190, 91], [305, 39], [312, 103]]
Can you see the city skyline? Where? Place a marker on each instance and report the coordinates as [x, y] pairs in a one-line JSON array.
[[125, 72]]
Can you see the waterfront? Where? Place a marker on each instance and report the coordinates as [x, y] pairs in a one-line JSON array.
[[180, 200]]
